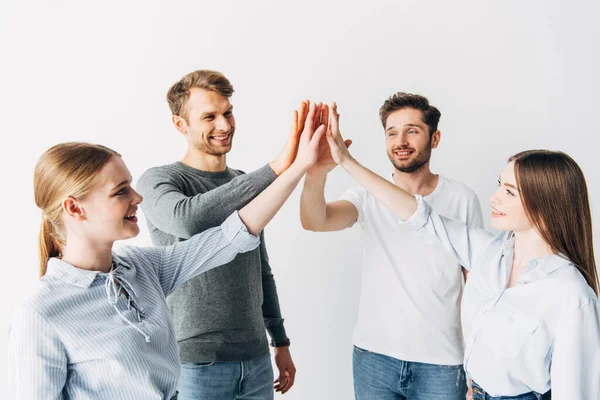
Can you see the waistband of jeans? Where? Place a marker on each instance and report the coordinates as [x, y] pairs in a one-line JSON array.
[[545, 396]]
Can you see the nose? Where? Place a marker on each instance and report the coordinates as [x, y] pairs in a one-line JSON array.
[[403, 139], [137, 198], [494, 198], [223, 124]]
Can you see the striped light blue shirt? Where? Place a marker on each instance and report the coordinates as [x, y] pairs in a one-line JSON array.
[[541, 334], [92, 335]]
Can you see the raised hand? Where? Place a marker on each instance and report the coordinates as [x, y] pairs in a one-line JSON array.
[[337, 151], [288, 154], [313, 132]]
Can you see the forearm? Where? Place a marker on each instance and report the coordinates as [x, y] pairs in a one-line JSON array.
[[313, 208], [172, 211], [257, 214], [399, 201]]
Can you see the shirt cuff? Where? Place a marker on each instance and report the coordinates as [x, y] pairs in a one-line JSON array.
[[237, 234], [262, 177], [276, 329], [420, 216]]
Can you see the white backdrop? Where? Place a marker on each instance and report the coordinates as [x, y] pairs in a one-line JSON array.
[[507, 76]]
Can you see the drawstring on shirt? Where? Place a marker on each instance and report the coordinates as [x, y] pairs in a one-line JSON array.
[[114, 283]]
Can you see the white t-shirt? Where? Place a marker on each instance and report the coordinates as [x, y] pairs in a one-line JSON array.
[[411, 286]]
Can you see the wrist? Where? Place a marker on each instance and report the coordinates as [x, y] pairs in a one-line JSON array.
[[281, 344], [317, 174], [348, 162], [277, 167]]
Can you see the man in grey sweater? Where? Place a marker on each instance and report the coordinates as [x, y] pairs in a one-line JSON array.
[[220, 316]]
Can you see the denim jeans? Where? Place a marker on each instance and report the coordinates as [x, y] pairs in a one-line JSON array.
[[480, 394], [227, 380], [379, 377]]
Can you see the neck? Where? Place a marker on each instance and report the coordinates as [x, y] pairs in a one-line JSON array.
[[421, 182], [204, 161], [529, 245], [90, 256]]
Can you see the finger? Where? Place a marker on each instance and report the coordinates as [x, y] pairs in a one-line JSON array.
[[294, 131], [308, 127], [286, 383], [302, 115], [325, 115], [317, 116], [291, 379], [335, 128], [316, 139]]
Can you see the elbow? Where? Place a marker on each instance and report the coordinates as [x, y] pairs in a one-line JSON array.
[[309, 226]]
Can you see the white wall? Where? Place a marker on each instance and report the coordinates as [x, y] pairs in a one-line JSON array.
[[506, 76]]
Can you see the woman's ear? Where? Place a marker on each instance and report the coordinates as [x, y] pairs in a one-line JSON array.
[[73, 209]]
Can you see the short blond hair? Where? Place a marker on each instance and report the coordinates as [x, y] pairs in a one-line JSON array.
[[179, 92]]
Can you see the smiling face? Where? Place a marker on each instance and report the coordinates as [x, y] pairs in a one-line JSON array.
[[408, 141], [209, 126], [108, 212], [508, 212]]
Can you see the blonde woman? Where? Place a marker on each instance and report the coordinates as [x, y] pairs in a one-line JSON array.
[[97, 326]]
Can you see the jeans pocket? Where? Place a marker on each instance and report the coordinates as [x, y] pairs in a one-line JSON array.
[[197, 365]]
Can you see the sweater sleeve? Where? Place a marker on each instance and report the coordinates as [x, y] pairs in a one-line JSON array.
[[171, 211]]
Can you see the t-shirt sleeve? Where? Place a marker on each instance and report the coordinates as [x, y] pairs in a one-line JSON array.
[[356, 197]]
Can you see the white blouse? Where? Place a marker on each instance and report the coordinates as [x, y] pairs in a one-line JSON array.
[[542, 334]]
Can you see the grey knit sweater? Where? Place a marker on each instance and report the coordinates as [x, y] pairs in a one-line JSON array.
[[220, 315]]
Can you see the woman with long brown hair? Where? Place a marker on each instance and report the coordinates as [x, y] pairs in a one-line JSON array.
[[530, 311], [97, 326]]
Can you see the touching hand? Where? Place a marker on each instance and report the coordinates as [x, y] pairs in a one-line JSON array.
[[288, 154], [308, 147], [338, 147], [287, 369]]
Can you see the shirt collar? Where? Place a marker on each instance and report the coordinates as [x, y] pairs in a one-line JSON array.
[[76, 276]]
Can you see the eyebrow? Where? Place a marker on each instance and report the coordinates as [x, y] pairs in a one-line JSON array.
[[121, 184], [507, 184], [413, 125], [204, 114]]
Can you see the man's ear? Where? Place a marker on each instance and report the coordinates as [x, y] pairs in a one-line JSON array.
[[73, 209], [435, 139], [179, 123]]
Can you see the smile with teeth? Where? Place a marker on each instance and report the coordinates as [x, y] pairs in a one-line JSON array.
[[220, 138], [131, 216], [402, 152], [496, 212]]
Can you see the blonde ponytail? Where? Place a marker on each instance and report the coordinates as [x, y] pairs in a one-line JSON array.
[[50, 244]]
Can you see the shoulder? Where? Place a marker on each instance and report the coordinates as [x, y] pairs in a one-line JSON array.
[[168, 172], [574, 292], [46, 298], [456, 188]]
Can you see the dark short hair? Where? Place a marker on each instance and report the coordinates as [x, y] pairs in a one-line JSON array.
[[401, 100]]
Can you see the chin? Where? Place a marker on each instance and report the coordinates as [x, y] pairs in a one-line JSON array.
[[496, 224]]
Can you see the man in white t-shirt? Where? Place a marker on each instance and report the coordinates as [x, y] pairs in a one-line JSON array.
[[407, 340]]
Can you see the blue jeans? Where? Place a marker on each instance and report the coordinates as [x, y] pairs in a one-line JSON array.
[[227, 380], [480, 394], [379, 377]]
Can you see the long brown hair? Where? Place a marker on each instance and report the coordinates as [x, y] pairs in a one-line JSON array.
[[555, 199], [67, 169]]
